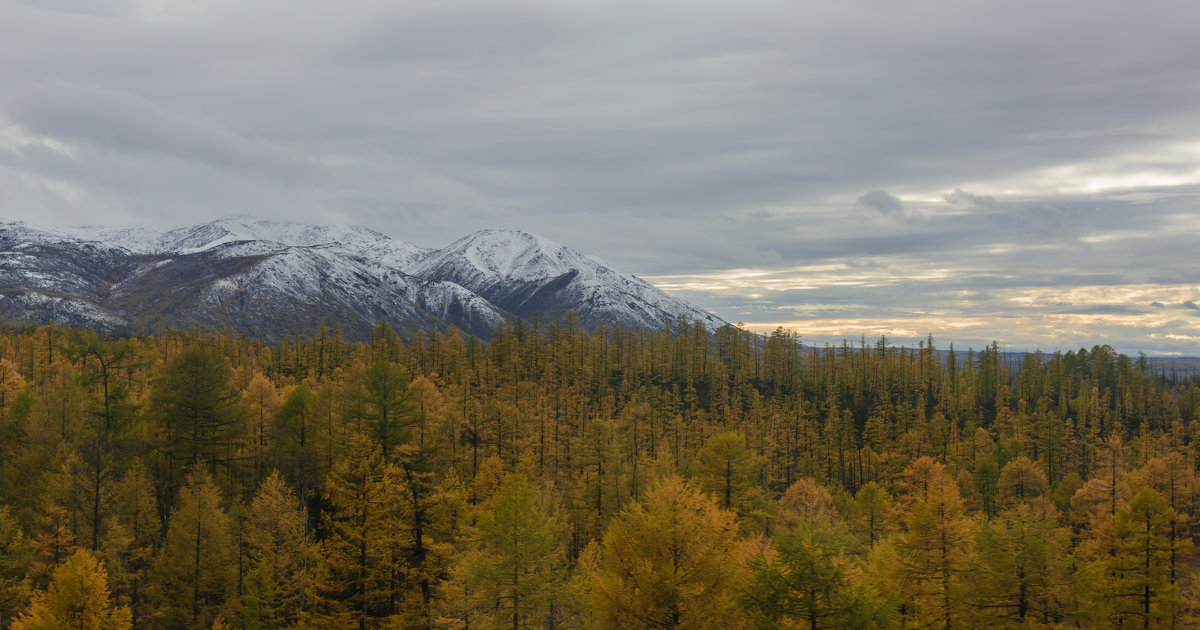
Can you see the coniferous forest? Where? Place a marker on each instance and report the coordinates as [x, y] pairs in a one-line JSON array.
[[557, 477]]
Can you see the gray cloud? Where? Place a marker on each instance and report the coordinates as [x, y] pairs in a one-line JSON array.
[[122, 123], [960, 196], [1056, 148], [882, 202]]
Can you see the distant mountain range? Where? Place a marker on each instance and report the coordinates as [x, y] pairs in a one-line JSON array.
[[274, 279]]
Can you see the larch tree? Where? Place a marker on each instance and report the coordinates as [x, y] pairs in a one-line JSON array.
[[1021, 480], [1134, 585], [668, 562], [198, 406], [280, 553], [516, 571], [196, 569], [1023, 573], [1174, 477], [1094, 504], [362, 569], [1189, 616], [63, 516], [259, 605], [419, 503], [11, 382], [133, 540], [16, 556], [77, 599], [936, 547], [803, 501], [807, 579], [261, 400], [453, 519], [389, 412], [986, 480], [111, 409], [296, 435], [871, 515], [728, 470]]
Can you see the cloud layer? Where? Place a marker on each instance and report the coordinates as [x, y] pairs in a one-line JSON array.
[[976, 170]]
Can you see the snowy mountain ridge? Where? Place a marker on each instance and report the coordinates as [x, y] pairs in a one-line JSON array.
[[145, 239], [273, 279]]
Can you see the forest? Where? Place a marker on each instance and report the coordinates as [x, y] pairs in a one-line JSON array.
[[558, 477]]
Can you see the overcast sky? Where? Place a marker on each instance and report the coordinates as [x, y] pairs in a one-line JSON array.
[[1021, 171]]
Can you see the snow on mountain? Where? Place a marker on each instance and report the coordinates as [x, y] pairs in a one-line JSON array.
[[239, 228], [275, 278], [525, 273], [509, 254]]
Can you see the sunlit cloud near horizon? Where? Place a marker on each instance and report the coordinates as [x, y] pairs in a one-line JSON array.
[[1072, 282]]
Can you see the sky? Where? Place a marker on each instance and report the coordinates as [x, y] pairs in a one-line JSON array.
[[1025, 172]]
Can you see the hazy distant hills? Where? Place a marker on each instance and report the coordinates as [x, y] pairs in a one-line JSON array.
[[273, 279]]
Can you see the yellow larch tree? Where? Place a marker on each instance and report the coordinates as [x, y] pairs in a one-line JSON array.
[[77, 599], [668, 562]]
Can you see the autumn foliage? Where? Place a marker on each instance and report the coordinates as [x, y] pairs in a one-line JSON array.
[[558, 477]]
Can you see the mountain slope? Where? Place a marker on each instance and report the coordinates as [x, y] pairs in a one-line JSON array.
[[523, 274], [272, 279]]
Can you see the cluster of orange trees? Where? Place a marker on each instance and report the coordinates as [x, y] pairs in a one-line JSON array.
[[563, 478]]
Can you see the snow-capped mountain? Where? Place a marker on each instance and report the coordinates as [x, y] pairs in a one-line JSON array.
[[524, 273], [273, 279]]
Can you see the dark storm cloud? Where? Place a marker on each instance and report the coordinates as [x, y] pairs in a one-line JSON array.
[[1054, 148]]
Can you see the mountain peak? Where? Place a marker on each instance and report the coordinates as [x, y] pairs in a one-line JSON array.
[[511, 254], [511, 238]]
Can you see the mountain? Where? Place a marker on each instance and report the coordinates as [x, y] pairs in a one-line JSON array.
[[523, 274], [273, 279]]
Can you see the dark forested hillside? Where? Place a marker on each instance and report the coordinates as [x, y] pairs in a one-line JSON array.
[[562, 478]]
